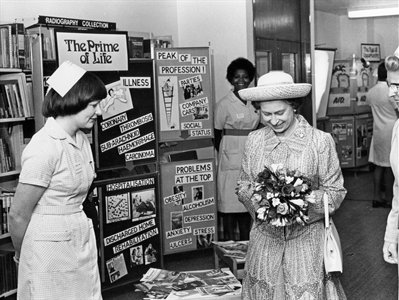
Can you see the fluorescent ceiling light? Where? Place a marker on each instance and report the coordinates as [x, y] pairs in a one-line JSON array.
[[375, 12]]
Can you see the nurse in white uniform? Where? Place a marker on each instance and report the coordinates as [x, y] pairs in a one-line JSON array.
[[54, 241], [233, 120]]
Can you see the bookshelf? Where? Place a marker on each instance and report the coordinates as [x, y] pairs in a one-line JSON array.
[[16, 126]]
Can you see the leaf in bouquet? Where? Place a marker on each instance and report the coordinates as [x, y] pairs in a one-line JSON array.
[[264, 203], [264, 175], [256, 197], [300, 221], [262, 213], [298, 182], [258, 187], [289, 179], [298, 202], [272, 214], [287, 189]]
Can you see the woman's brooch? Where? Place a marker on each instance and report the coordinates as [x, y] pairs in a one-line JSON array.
[[300, 133]]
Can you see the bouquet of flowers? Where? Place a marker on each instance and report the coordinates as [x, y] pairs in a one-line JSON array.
[[280, 195]]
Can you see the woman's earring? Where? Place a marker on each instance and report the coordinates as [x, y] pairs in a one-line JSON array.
[[295, 111]]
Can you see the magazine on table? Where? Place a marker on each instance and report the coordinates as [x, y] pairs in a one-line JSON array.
[[202, 284], [236, 249]]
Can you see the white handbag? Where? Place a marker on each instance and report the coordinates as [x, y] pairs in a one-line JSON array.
[[333, 261]]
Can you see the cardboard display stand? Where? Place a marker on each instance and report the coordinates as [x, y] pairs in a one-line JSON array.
[[129, 228], [125, 137], [184, 89], [126, 131], [189, 210], [188, 174]]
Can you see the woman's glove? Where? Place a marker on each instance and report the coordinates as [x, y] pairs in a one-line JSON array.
[[390, 251]]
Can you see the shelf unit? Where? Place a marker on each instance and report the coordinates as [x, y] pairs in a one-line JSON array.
[[14, 131]]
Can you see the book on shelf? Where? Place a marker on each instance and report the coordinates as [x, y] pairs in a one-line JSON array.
[[8, 269], [1, 216], [12, 39], [11, 147], [28, 50], [29, 95], [47, 36], [135, 45], [17, 101], [5, 48], [5, 205]]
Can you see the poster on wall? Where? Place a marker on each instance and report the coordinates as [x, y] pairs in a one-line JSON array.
[[125, 134], [185, 98], [350, 83], [129, 225], [189, 210]]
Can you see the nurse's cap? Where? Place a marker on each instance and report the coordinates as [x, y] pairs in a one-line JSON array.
[[65, 77]]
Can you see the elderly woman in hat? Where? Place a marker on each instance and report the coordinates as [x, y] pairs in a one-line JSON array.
[[54, 241], [286, 262]]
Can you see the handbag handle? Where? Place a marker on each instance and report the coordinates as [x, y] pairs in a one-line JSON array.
[[326, 214]]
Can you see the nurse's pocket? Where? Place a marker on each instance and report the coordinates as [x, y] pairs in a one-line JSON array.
[[54, 251], [231, 159]]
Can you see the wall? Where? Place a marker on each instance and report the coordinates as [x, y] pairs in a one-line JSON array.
[[332, 31], [225, 25]]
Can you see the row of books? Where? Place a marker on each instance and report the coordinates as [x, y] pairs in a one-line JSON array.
[[12, 49], [5, 205], [8, 270], [16, 96]]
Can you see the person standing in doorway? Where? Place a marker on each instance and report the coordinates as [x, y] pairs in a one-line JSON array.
[[234, 119], [384, 118]]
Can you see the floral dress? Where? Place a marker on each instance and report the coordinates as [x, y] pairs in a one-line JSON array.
[[287, 262]]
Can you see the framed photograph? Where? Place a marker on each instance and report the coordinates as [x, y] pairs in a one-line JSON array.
[[371, 52]]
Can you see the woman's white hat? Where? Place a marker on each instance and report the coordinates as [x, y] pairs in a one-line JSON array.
[[275, 85]]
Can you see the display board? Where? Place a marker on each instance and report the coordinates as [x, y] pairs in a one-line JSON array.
[[125, 136], [350, 83], [129, 228], [126, 132], [185, 98], [189, 211]]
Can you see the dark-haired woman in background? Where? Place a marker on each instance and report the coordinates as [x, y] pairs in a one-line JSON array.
[[54, 241], [233, 120]]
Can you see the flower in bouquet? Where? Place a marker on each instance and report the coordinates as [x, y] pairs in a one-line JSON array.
[[280, 195]]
